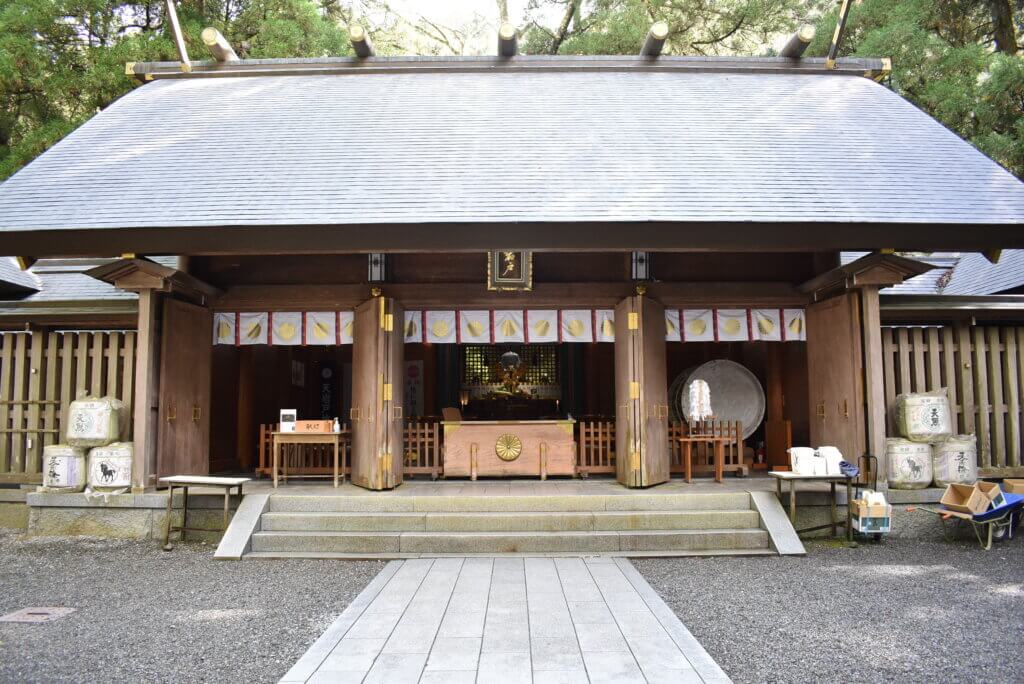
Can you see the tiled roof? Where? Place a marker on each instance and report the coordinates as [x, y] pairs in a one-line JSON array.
[[550, 146], [927, 283], [65, 280], [12, 278], [976, 275]]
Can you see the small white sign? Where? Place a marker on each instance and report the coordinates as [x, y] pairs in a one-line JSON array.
[[288, 417]]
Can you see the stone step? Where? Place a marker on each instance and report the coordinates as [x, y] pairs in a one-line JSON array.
[[277, 555], [393, 502], [552, 521], [509, 542]]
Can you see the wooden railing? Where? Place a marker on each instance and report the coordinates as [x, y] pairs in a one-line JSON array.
[[422, 451], [423, 447], [40, 374], [982, 369], [595, 441], [596, 447], [305, 459]]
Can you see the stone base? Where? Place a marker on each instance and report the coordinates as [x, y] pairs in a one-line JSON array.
[[122, 516]]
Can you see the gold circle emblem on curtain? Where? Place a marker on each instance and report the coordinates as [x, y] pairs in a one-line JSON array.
[[508, 447]]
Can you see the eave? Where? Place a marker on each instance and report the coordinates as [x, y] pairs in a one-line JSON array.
[[876, 269]]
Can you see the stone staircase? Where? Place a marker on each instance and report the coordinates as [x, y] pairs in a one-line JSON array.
[[395, 526]]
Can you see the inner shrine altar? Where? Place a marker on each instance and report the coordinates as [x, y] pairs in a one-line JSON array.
[[509, 448]]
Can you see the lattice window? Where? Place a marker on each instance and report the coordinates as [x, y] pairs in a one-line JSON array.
[[481, 364]]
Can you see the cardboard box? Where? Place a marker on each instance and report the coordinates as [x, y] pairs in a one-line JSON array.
[[317, 426], [860, 509], [992, 493], [1013, 486], [965, 499]]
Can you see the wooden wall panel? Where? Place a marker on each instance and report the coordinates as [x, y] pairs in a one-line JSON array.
[[40, 374]]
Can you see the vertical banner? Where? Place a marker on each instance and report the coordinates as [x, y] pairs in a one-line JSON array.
[[328, 385], [414, 388], [508, 326], [224, 328], [604, 325]]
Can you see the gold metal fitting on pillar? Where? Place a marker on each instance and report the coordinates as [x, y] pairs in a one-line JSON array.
[[376, 292]]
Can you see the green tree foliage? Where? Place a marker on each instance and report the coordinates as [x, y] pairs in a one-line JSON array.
[[945, 60], [63, 60]]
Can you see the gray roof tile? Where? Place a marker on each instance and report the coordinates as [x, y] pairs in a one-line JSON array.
[[976, 275], [489, 147]]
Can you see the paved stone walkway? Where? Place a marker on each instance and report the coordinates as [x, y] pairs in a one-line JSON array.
[[493, 620]]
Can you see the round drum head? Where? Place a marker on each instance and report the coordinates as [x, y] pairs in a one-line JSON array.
[[736, 393]]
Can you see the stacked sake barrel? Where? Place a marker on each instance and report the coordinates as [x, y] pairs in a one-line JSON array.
[[927, 450], [95, 453]]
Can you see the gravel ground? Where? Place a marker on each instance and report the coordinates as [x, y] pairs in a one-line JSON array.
[[144, 615], [905, 610]]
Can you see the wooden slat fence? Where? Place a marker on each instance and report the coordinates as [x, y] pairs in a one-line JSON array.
[[596, 447], [422, 451], [40, 374], [982, 369]]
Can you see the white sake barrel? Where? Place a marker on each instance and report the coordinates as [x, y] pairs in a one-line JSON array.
[[924, 417], [955, 460], [94, 422], [909, 463], [110, 467], [63, 468]]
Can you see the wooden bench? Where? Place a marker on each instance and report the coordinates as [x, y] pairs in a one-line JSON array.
[[184, 482]]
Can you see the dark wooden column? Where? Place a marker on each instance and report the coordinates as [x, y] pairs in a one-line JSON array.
[[378, 374], [641, 393]]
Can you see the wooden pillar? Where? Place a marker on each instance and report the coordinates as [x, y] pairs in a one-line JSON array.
[[247, 427], [147, 364], [641, 393], [874, 380]]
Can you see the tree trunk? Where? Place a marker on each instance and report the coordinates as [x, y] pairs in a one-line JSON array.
[[502, 11], [563, 28], [1003, 31]]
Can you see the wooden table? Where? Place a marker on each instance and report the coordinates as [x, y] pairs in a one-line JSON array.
[[280, 438], [186, 481], [718, 444], [509, 447], [793, 478]]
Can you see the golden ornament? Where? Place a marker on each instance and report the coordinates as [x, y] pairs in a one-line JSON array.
[[475, 328], [670, 325], [796, 325], [765, 325], [349, 329], [508, 447], [608, 328], [440, 329], [541, 328], [576, 328], [223, 331], [508, 328], [731, 327], [411, 327], [286, 331], [320, 330], [254, 331], [697, 327]]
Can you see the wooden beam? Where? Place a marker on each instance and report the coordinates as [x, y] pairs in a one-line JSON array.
[[874, 379], [798, 42], [837, 36], [655, 40], [361, 43], [459, 295], [179, 37], [218, 45], [146, 392], [508, 43]]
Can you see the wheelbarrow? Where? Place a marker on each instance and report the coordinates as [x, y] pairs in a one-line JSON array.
[[993, 525]]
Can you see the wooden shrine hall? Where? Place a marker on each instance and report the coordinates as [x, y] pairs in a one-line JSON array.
[[505, 266]]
